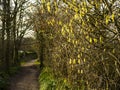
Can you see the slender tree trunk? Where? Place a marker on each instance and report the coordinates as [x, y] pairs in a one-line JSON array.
[[15, 55], [8, 24], [3, 43], [41, 51], [16, 61], [3, 33]]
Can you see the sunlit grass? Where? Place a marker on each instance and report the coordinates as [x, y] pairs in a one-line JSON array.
[[22, 63], [49, 82], [37, 62]]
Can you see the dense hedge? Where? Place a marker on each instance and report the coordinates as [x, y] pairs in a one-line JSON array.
[[81, 42]]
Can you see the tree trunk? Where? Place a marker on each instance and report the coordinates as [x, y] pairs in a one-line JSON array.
[[16, 59], [8, 25], [3, 33], [41, 48]]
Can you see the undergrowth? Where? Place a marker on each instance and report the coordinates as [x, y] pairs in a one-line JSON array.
[[4, 77], [49, 82], [3, 80]]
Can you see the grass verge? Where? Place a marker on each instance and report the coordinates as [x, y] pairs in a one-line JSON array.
[[49, 82]]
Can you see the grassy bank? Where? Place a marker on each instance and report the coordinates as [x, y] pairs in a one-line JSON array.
[[48, 81]]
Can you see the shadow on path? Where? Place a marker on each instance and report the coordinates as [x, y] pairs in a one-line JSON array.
[[26, 79]]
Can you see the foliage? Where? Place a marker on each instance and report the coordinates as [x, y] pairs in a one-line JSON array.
[[49, 82], [46, 79], [4, 77], [80, 41], [3, 80]]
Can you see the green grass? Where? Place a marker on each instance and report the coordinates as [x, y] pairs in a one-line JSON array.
[[22, 63], [37, 62], [49, 82], [46, 79]]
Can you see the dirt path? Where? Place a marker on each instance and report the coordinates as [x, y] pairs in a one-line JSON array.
[[26, 79]]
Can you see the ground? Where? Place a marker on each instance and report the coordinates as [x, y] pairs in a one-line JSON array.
[[26, 79]]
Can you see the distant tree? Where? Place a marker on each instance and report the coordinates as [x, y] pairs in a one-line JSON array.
[[14, 23]]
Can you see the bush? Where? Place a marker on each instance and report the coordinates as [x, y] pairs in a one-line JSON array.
[[4, 77], [3, 80]]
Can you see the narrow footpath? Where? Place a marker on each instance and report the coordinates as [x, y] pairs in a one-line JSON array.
[[26, 79]]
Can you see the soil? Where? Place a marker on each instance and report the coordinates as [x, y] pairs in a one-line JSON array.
[[26, 79]]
